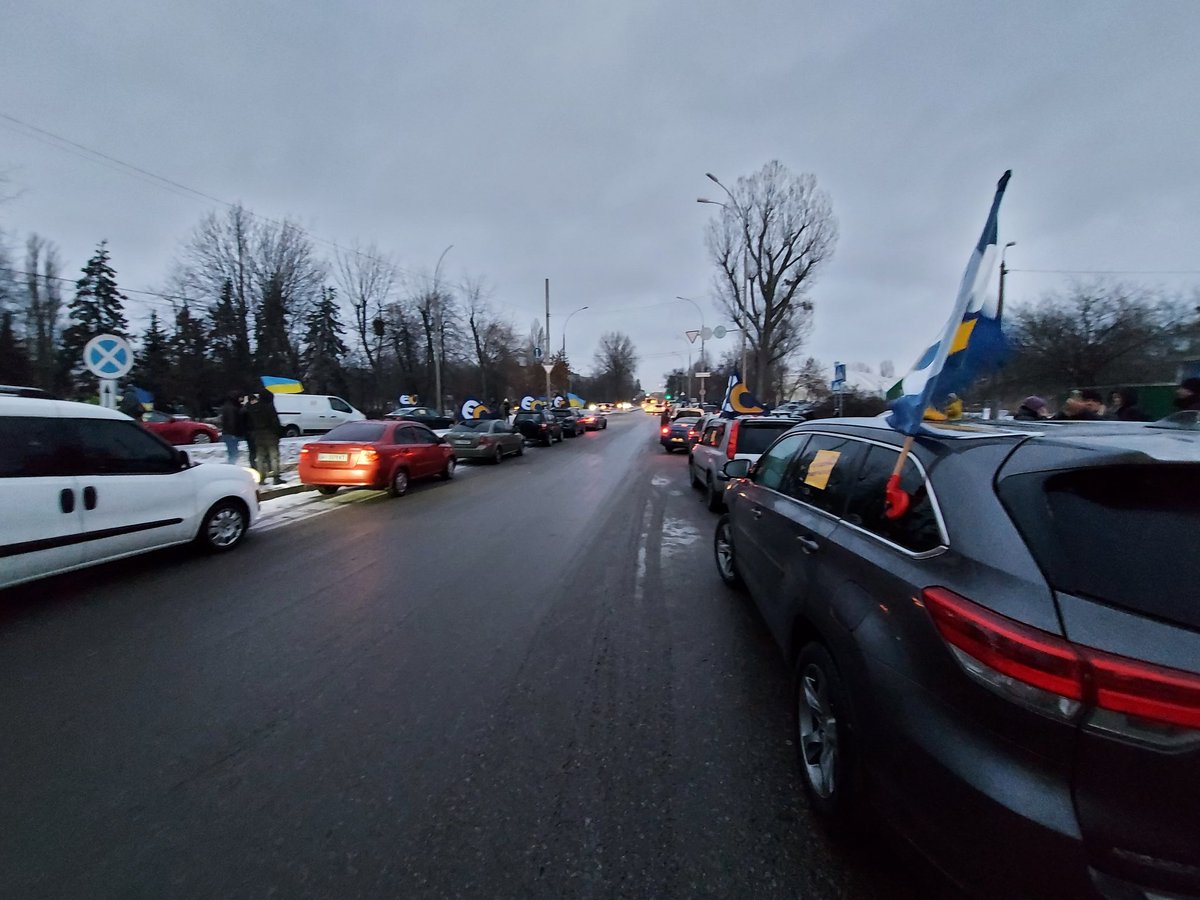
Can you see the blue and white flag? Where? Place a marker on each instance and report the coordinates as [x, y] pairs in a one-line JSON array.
[[738, 399], [970, 343]]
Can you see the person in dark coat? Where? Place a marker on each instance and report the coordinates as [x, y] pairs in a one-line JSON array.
[[1187, 395], [265, 426], [130, 404], [233, 423], [1124, 406], [1032, 408]]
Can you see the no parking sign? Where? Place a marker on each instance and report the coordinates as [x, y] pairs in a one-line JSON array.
[[109, 357]]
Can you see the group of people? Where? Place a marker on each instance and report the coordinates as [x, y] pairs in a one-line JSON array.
[[252, 418], [1088, 405]]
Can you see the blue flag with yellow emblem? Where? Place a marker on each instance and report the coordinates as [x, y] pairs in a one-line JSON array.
[[970, 343], [738, 399]]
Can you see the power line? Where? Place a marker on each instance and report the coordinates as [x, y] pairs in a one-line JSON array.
[[164, 297], [1107, 271]]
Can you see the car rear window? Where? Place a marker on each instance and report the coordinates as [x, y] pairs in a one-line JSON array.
[[756, 437], [1125, 535], [482, 425], [365, 432]]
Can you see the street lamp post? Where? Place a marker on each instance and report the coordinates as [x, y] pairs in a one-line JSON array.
[[995, 411], [564, 350], [703, 362], [741, 214], [440, 350]]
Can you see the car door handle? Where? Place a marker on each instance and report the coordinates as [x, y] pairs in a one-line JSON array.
[[66, 500], [807, 544], [756, 512], [89, 497]]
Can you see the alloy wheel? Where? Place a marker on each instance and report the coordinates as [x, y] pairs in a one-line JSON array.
[[818, 731]]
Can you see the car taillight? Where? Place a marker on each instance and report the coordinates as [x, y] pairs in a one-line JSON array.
[[306, 449], [366, 456], [733, 439], [484, 441], [666, 430], [1056, 676]]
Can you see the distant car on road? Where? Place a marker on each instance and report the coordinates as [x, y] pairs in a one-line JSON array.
[[538, 427], [1009, 670], [745, 437], [490, 439], [179, 430], [679, 435], [423, 414], [593, 420], [387, 455]]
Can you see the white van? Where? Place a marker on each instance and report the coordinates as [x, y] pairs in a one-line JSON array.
[[81, 485], [312, 413]]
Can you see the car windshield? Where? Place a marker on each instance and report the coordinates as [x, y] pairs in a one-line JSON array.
[[472, 426], [687, 420], [1121, 534], [526, 416], [756, 437], [359, 432]]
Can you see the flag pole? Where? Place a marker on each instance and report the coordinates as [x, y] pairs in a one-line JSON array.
[[896, 501]]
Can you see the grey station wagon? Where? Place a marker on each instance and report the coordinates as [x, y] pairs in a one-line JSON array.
[[1010, 672]]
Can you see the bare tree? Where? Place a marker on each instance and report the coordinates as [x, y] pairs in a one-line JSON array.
[[615, 361], [769, 244], [491, 338], [43, 291], [366, 278]]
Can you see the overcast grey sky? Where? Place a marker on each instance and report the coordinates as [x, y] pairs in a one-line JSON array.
[[570, 141]]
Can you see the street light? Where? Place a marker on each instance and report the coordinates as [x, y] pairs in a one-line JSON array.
[[440, 353], [745, 254], [703, 362], [995, 378], [564, 350]]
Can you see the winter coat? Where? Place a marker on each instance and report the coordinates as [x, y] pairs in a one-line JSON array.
[[264, 421], [233, 420]]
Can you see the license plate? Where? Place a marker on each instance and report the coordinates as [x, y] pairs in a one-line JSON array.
[[333, 457], [676, 439], [462, 443]]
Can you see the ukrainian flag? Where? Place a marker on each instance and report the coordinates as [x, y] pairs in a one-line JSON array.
[[281, 385], [970, 344]]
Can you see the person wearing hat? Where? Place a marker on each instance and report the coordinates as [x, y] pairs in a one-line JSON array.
[[1187, 395], [1124, 405], [1031, 409]]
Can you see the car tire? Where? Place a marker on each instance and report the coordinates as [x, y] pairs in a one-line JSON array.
[[549, 440], [398, 484], [327, 489], [447, 473], [291, 431], [223, 526], [692, 477], [498, 456], [724, 555], [521, 448], [201, 437], [825, 737], [713, 500]]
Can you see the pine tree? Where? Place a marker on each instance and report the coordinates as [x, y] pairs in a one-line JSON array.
[[153, 359], [228, 343], [189, 348], [98, 308], [273, 348], [14, 360], [323, 346]]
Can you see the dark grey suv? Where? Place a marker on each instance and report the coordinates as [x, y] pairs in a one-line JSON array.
[[1009, 672]]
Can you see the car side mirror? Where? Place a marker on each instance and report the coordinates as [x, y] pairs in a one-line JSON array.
[[185, 461], [737, 468]]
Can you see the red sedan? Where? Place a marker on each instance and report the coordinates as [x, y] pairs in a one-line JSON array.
[[375, 454], [179, 431]]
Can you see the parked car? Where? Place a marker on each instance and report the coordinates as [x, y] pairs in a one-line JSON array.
[[538, 427], [313, 413], [679, 435], [375, 454], [593, 420], [490, 439], [80, 485], [428, 417], [177, 430], [1010, 670], [745, 437], [570, 420], [19, 390]]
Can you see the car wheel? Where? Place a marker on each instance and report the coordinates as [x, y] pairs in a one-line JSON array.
[[712, 498], [201, 437], [724, 554], [398, 486], [549, 440], [223, 526], [521, 449], [327, 489], [447, 473], [693, 477], [498, 456], [291, 431], [824, 735]]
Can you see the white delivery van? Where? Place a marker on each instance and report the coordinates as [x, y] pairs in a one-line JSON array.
[[311, 413]]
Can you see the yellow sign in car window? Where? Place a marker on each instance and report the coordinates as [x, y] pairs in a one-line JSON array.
[[821, 468]]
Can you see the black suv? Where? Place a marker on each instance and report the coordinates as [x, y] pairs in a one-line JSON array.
[[1009, 672], [571, 422], [538, 426]]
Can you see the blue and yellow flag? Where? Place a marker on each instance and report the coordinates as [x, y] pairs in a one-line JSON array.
[[281, 385], [970, 343], [738, 399]]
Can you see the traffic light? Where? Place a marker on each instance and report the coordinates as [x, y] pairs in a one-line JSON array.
[[668, 395]]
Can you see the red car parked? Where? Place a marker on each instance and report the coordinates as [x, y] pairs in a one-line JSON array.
[[179, 431], [375, 454]]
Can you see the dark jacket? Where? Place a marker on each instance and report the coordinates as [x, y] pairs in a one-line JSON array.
[[233, 420], [1025, 414], [264, 421]]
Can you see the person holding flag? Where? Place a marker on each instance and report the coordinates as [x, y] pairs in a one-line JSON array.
[[970, 344]]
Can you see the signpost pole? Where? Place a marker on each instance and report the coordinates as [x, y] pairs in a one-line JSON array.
[[548, 367]]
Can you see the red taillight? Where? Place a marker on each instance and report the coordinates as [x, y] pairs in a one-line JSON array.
[[733, 436], [484, 441], [1025, 656], [666, 430], [306, 449], [366, 456]]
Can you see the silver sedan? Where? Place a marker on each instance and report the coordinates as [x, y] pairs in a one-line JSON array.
[[491, 439]]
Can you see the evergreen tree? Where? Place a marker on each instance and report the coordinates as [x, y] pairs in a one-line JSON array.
[[153, 368], [324, 347], [228, 343], [189, 348], [273, 348], [98, 308], [14, 360]]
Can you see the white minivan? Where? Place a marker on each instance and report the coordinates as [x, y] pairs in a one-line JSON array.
[[312, 413], [80, 485]]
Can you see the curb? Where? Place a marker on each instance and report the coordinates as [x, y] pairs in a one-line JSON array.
[[282, 490]]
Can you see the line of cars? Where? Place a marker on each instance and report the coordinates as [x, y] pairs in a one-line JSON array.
[[1008, 672]]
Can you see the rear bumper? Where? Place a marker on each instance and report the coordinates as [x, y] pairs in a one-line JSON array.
[[474, 452], [339, 477]]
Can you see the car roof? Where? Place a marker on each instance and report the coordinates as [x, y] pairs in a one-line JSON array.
[[43, 408]]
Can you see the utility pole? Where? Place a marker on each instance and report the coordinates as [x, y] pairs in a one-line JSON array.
[[439, 351], [548, 366], [995, 410]]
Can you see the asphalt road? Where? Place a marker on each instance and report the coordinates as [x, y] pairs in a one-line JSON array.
[[525, 683]]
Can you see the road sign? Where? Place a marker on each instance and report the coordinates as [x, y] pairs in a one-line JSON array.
[[691, 336], [706, 333], [549, 367], [537, 353], [702, 374], [719, 332], [839, 371], [108, 356]]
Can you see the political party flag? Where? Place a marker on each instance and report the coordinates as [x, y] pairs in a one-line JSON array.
[[281, 385], [738, 399], [474, 409], [970, 343]]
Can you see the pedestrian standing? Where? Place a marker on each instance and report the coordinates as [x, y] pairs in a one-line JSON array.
[[248, 402], [1031, 409], [1187, 395], [1124, 403], [264, 423], [507, 408], [232, 426]]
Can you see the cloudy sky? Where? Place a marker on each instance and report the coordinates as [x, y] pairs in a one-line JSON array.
[[570, 141]]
